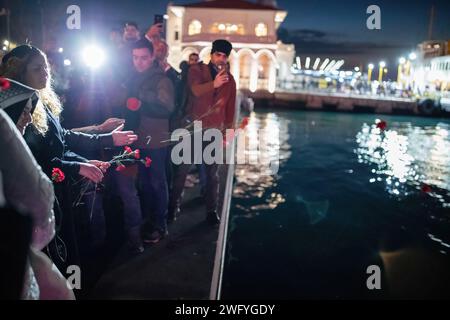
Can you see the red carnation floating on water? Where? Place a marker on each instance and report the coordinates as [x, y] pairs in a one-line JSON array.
[[137, 154], [381, 124], [120, 167], [4, 84], [426, 188], [244, 122], [148, 162], [57, 175], [133, 104]]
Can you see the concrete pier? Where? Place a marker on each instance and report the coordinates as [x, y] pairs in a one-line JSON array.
[[178, 267], [335, 102]]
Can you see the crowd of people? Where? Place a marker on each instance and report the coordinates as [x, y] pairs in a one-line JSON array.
[[67, 149], [354, 85]]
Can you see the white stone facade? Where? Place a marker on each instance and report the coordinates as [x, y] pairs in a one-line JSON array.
[[257, 61]]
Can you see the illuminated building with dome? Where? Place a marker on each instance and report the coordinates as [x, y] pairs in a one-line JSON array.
[[258, 59]]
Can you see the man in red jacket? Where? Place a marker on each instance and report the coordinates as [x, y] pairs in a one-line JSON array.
[[211, 100]]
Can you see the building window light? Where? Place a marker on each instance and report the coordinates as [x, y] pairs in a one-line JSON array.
[[233, 28], [195, 27], [227, 28], [261, 30]]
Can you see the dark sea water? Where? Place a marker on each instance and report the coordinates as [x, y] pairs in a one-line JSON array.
[[346, 196]]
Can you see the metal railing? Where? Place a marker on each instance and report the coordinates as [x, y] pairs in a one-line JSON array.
[[216, 282]]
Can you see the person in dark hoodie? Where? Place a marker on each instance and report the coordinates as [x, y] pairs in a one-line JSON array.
[[150, 99]]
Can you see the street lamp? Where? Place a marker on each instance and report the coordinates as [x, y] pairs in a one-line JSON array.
[[93, 56], [369, 73], [401, 62], [6, 45], [382, 64]]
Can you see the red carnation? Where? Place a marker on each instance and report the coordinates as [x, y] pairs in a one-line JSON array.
[[133, 104], [120, 167], [148, 162], [128, 149], [244, 122], [137, 154], [57, 175], [381, 125], [426, 188], [4, 84]]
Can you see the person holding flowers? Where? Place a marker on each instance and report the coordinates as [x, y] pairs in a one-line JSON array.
[[150, 100], [55, 147], [24, 187]]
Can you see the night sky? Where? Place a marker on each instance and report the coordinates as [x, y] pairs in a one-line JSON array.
[[335, 29]]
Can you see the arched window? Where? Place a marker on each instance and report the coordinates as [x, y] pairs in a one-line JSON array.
[[195, 27], [261, 30], [227, 28]]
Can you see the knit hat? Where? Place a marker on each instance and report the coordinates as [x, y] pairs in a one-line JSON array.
[[223, 46]]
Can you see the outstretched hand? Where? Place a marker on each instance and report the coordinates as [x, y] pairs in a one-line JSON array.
[[91, 172], [109, 125], [123, 138], [102, 165]]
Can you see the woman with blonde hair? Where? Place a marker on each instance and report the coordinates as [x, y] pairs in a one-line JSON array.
[[53, 146], [27, 190]]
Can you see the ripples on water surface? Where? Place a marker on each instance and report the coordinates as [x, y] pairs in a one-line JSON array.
[[347, 195]]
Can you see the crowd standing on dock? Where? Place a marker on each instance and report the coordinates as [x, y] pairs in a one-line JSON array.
[[74, 143]]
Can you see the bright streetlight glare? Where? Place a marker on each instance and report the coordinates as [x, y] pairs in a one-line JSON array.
[[93, 56]]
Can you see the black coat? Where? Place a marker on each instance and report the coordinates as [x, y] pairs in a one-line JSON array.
[[59, 147], [56, 149]]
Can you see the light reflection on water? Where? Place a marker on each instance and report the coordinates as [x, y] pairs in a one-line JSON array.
[[253, 179], [347, 195], [406, 157]]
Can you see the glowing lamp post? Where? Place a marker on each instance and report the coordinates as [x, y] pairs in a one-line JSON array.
[[380, 73], [369, 72], [401, 63]]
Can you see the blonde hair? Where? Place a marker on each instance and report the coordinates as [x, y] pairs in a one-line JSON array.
[[15, 67]]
